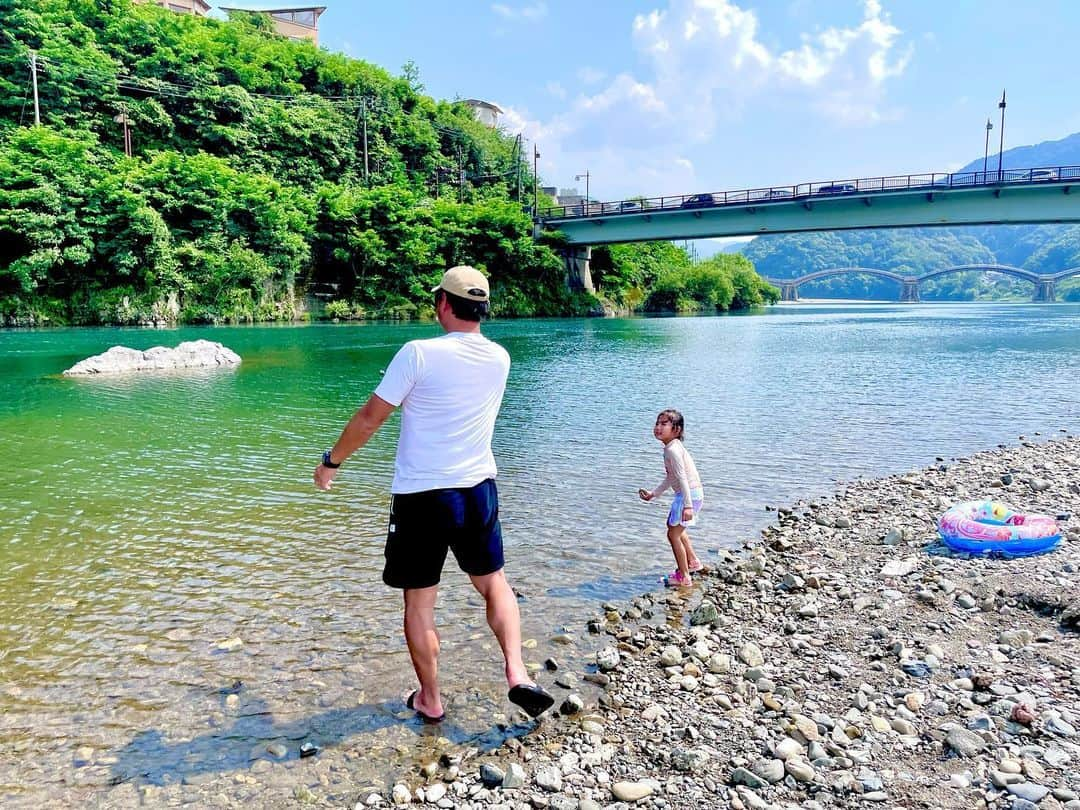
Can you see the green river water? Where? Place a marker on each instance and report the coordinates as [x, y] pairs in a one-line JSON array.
[[145, 519]]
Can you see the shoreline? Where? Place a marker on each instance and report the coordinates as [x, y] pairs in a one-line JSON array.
[[840, 660], [849, 658], [165, 326]]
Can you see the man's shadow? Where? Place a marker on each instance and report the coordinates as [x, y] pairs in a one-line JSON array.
[[151, 759]]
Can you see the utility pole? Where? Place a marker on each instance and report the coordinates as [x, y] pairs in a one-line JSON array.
[[517, 166], [122, 118], [536, 180], [33, 73], [461, 175], [1001, 145], [363, 106], [986, 146]]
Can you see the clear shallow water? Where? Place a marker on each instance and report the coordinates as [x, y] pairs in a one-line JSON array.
[[145, 519]]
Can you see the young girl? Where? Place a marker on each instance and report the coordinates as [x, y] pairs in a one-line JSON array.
[[682, 476]]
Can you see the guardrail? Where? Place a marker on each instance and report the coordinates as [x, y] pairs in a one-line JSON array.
[[802, 191]]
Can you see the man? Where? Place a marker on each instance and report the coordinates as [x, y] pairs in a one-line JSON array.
[[443, 496]]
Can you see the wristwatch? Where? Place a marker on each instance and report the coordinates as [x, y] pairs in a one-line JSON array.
[[326, 462]]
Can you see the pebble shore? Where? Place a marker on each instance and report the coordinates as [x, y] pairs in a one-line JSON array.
[[848, 660], [845, 660]]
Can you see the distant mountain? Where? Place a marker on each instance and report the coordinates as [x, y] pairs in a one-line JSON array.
[[1045, 248], [1065, 152]]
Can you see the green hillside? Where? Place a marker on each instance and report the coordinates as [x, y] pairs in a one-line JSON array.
[[249, 179], [264, 174], [1042, 248]]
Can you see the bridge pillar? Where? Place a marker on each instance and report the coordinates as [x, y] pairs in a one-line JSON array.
[[789, 292], [1045, 291], [909, 290], [578, 273]]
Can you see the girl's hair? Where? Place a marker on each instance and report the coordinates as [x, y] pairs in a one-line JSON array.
[[674, 417]]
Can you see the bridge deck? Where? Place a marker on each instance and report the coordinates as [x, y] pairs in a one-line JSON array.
[[1014, 196]]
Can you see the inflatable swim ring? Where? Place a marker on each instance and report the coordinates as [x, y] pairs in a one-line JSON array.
[[987, 527]]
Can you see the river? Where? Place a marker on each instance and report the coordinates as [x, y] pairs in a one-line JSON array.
[[144, 520]]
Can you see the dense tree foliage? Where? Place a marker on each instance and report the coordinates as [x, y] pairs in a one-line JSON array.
[[264, 172], [660, 277]]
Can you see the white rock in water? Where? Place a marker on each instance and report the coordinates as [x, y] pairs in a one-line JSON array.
[[122, 360]]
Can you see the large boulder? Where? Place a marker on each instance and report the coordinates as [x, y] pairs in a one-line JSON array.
[[122, 360]]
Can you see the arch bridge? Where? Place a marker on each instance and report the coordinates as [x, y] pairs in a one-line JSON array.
[[1045, 283]]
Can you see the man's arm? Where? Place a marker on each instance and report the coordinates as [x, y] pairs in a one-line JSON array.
[[356, 434]]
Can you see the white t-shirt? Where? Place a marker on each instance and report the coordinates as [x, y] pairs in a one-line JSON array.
[[449, 389]]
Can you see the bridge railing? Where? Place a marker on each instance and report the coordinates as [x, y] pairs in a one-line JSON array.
[[824, 189]]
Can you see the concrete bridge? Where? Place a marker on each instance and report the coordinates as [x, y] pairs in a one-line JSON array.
[[1045, 283], [1012, 196]]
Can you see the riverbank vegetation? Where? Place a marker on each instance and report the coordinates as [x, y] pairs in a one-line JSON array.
[[661, 277], [263, 174]]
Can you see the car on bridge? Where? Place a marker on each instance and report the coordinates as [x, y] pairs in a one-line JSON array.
[[836, 188], [1043, 175], [699, 201]]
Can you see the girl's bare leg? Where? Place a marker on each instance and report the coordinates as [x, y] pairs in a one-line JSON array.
[[691, 557], [674, 536]]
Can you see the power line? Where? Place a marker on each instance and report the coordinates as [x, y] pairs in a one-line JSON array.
[[123, 81]]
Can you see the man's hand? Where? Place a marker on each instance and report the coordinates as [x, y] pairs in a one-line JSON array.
[[688, 513], [645, 495], [361, 427], [324, 477]]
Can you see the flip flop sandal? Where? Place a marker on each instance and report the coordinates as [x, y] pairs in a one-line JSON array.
[[427, 718], [533, 699]]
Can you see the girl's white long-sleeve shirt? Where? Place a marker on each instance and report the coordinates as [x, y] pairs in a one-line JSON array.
[[682, 474]]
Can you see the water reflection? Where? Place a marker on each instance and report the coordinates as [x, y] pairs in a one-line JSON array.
[[254, 732]]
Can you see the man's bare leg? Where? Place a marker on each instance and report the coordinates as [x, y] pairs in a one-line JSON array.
[[504, 619], [423, 641]]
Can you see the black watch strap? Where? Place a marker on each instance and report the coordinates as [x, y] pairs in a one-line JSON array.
[[327, 462]]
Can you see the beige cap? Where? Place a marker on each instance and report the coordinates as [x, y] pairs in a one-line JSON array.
[[465, 282]]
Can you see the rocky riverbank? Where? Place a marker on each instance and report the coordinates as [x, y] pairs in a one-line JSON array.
[[848, 660]]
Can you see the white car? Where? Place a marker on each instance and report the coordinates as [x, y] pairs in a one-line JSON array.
[[1043, 175]]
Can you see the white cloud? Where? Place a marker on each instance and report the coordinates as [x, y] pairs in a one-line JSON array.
[[590, 75], [705, 62], [708, 49], [534, 12], [555, 89]]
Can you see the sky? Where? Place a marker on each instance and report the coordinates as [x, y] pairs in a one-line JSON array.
[[655, 97]]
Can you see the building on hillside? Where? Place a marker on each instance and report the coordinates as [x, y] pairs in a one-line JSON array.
[[485, 112], [298, 22], [571, 198], [182, 6]]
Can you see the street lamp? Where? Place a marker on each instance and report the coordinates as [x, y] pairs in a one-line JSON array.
[[1001, 145], [986, 148], [578, 177]]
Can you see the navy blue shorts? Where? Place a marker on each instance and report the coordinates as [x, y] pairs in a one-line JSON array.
[[424, 525]]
